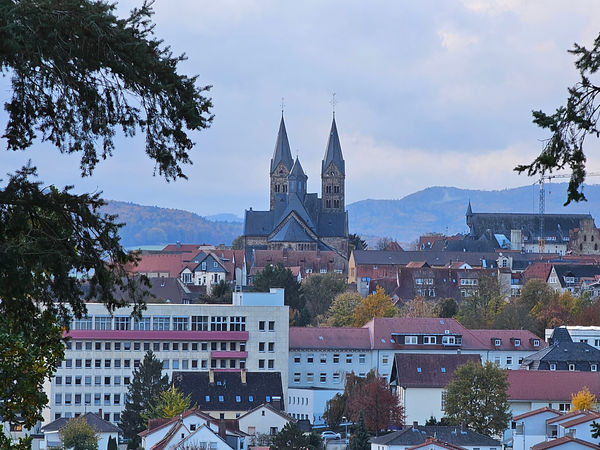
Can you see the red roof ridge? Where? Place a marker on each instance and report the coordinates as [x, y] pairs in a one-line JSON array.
[[535, 412], [560, 441]]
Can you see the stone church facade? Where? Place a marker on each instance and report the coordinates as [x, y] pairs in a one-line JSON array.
[[298, 220]]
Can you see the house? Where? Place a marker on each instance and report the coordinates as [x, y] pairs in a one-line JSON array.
[[446, 437], [297, 219], [419, 381], [573, 278], [229, 395], [263, 419], [564, 354], [191, 429], [530, 390], [565, 443], [530, 428], [103, 428]]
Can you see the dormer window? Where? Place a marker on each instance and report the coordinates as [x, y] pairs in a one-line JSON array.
[[410, 340], [536, 342], [497, 342], [517, 342]]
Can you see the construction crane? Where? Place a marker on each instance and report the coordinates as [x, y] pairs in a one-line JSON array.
[[542, 202]]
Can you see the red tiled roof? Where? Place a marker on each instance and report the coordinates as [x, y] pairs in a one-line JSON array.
[[535, 412], [566, 416], [342, 338], [579, 420], [549, 385], [537, 271], [173, 263], [434, 441], [417, 264], [560, 441], [183, 248]]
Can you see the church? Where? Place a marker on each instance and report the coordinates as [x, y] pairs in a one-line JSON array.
[[297, 220]]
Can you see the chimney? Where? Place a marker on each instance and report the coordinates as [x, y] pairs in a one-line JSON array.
[[222, 429], [243, 376], [277, 403], [100, 414], [211, 376]]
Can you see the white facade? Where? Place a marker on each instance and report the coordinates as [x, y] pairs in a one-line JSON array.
[[262, 420], [529, 430], [104, 350]]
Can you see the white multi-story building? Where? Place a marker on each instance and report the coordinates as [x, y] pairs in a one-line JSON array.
[[320, 358], [104, 349], [590, 335]]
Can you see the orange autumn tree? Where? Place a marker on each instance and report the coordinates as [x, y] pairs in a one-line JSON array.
[[583, 400], [373, 305]]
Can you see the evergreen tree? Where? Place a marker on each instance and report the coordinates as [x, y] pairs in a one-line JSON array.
[[291, 438], [147, 384], [167, 404], [360, 438], [112, 444], [279, 277]]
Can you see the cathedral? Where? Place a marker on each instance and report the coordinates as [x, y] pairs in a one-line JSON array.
[[298, 220]]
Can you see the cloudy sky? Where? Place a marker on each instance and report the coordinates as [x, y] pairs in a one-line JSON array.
[[429, 93]]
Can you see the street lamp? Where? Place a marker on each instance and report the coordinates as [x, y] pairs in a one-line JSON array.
[[345, 419]]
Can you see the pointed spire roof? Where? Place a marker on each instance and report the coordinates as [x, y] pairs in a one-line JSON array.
[[297, 172], [282, 149], [469, 210], [333, 153]]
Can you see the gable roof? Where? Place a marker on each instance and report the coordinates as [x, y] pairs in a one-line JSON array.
[[560, 441], [548, 385], [331, 338], [223, 394], [411, 436], [588, 416], [154, 425], [291, 231], [93, 420], [433, 258], [282, 414], [425, 370], [535, 412], [437, 442]]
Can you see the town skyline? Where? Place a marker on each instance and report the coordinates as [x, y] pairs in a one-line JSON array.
[[428, 94]]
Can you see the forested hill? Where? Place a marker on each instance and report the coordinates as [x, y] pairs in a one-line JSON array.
[[151, 225], [442, 209]]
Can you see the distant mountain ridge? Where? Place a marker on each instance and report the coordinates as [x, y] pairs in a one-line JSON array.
[[151, 225], [435, 209], [442, 209]]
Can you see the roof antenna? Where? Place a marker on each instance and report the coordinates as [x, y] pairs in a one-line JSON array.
[[333, 103]]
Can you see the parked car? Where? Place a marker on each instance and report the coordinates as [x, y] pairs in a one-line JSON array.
[[327, 435]]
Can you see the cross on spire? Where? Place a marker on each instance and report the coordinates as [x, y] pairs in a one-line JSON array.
[[333, 102], [282, 105]]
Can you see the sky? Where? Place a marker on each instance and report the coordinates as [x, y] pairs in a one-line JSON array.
[[428, 93]]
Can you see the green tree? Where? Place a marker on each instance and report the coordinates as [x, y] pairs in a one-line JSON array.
[[77, 434], [480, 309], [279, 276], [373, 305], [356, 242], [417, 307], [341, 311], [221, 292], [78, 74], [168, 404], [238, 243], [318, 292], [477, 396], [291, 438], [571, 124], [147, 384], [360, 437], [446, 307]]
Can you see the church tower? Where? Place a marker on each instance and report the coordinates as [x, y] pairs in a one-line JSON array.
[[281, 164], [333, 174]]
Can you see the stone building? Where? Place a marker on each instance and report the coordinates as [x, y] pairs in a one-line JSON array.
[[296, 219], [584, 240]]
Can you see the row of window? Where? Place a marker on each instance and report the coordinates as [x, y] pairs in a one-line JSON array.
[[87, 380], [106, 399], [336, 203], [572, 368], [310, 377], [336, 189], [67, 415], [431, 340], [154, 346], [310, 359], [162, 323]]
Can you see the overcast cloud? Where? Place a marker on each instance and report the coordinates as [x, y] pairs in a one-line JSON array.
[[429, 93]]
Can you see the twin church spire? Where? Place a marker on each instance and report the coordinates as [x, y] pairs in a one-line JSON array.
[[287, 175]]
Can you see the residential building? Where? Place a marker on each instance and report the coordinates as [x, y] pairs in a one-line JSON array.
[[419, 380], [296, 219], [264, 419], [103, 350], [533, 389], [530, 428], [229, 395], [319, 358], [438, 436], [588, 335], [564, 354], [584, 239], [103, 428]]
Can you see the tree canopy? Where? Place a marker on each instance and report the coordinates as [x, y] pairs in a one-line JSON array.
[[570, 125], [477, 396], [318, 292], [78, 75], [167, 404], [341, 311], [584, 400], [77, 434], [278, 276], [373, 305]]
